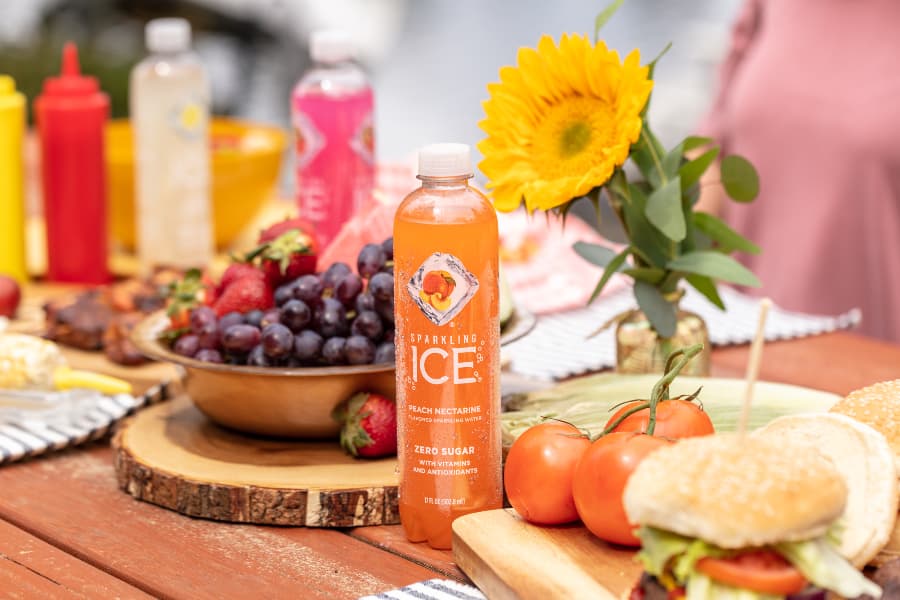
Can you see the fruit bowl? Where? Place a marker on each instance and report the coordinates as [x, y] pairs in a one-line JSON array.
[[245, 159], [284, 402]]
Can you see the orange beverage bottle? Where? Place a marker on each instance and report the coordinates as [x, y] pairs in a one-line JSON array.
[[448, 351]]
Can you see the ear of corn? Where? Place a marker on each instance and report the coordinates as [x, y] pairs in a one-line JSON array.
[[29, 362]]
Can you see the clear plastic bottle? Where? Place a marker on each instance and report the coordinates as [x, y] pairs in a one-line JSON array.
[[448, 350], [169, 97], [332, 117]]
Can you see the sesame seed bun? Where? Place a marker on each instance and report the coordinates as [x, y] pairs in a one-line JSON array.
[[865, 461], [878, 406], [737, 491]]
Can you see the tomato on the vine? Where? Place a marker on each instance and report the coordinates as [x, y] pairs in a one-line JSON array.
[[538, 472], [674, 419], [600, 479]]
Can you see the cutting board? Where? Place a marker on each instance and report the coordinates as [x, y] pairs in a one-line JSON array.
[[509, 558], [173, 456]]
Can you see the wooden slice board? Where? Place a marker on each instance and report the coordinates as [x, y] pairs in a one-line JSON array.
[[173, 456], [509, 558]]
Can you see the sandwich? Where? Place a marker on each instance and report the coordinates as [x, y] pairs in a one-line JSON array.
[[866, 462], [878, 406], [730, 517]]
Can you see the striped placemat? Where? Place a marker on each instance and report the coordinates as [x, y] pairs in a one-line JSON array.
[[559, 346], [33, 423], [433, 589]]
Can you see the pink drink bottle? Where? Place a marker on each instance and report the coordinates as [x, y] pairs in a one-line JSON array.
[[331, 113]]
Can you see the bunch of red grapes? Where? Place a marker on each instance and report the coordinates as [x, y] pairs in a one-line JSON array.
[[336, 317]]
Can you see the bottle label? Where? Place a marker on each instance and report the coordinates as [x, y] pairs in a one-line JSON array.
[[308, 140], [334, 144], [442, 287], [447, 374], [189, 118]]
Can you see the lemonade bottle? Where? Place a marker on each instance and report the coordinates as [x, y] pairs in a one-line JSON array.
[[447, 340], [170, 101]]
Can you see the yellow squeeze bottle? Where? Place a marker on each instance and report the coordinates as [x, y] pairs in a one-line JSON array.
[[12, 195]]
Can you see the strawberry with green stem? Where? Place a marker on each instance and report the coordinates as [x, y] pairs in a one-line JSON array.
[[287, 250], [368, 425], [194, 289]]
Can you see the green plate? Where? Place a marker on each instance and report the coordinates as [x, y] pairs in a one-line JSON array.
[[587, 402]]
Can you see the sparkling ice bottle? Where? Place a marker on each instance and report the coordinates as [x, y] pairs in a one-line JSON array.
[[169, 95], [447, 338], [331, 112]]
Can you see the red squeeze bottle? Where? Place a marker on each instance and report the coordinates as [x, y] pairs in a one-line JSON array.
[[71, 115]]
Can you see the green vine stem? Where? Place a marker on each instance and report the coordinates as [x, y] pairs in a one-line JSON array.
[[674, 364]]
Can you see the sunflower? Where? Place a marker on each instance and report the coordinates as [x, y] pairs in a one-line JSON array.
[[561, 122]]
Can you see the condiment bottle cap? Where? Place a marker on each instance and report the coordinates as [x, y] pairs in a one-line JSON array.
[[168, 35], [7, 85], [331, 46], [70, 81], [445, 160]]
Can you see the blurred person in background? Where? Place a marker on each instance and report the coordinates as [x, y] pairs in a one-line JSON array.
[[808, 93]]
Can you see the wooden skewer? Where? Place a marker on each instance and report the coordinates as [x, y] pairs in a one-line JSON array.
[[753, 364]]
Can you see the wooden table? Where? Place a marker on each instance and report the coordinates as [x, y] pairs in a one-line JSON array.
[[67, 531]]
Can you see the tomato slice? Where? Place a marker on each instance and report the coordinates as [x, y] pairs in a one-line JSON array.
[[759, 570]]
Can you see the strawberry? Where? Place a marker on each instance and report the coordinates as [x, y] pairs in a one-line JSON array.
[[194, 289], [243, 295], [238, 270], [288, 249], [368, 425]]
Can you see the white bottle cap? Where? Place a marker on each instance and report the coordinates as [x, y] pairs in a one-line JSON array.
[[330, 46], [168, 35], [445, 160]]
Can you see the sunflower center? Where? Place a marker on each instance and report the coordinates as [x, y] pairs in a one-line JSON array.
[[574, 138], [573, 135]]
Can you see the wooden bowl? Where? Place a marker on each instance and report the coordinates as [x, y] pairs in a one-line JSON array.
[[283, 402]]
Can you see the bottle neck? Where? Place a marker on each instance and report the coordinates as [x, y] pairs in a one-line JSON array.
[[444, 183], [347, 63]]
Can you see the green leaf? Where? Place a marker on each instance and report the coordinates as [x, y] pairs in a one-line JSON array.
[[594, 253], [664, 210], [604, 16], [695, 141], [648, 153], [614, 265], [652, 275], [714, 264], [659, 311], [692, 171], [739, 178], [728, 239], [707, 287], [647, 242], [672, 161]]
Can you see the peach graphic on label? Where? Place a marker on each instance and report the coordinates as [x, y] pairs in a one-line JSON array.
[[442, 287], [436, 289]]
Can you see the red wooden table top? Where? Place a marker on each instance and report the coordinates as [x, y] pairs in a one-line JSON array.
[[67, 531]]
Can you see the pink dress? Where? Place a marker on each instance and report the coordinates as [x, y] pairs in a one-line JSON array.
[[810, 93]]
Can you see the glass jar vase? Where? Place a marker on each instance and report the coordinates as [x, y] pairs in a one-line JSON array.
[[639, 349]]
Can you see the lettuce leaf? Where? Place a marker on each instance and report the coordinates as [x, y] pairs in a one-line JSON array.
[[658, 547], [819, 560], [821, 563], [701, 587]]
